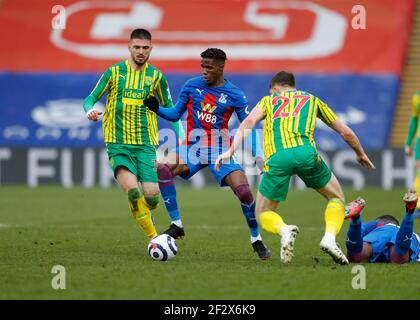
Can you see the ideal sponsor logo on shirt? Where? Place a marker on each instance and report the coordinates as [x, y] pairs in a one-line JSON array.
[[133, 96]]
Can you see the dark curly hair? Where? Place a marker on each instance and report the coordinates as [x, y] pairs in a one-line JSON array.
[[214, 53]]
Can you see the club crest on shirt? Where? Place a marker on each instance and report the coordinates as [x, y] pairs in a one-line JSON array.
[[148, 81], [222, 98]]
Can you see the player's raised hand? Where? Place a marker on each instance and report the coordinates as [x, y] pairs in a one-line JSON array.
[[408, 150], [152, 103], [93, 114], [364, 161], [222, 158]]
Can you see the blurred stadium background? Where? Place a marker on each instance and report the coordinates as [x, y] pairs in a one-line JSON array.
[[367, 75]]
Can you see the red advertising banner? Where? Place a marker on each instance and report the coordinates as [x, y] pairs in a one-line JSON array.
[[258, 36]]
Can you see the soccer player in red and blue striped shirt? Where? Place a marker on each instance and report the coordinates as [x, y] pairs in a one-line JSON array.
[[210, 101]]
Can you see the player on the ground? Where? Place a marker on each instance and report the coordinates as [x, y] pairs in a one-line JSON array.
[[289, 122], [130, 129], [382, 240], [209, 100], [414, 130]]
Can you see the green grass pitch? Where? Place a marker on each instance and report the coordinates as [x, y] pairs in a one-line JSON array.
[[91, 233]]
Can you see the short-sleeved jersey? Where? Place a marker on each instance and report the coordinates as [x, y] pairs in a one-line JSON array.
[[416, 111], [289, 119], [209, 110], [126, 120]]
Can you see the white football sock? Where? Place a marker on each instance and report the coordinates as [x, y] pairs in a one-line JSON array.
[[178, 223], [329, 237]]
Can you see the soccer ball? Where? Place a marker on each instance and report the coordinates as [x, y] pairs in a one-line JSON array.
[[162, 247]]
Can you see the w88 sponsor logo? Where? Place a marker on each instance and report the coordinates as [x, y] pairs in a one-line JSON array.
[[207, 117]]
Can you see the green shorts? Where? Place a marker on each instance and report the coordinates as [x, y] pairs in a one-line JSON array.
[[303, 161], [140, 160], [417, 149]]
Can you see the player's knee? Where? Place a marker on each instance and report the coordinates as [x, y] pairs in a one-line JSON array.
[[133, 194], [244, 194], [152, 200], [164, 172]]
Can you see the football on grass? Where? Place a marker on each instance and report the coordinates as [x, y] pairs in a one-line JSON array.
[[162, 247]]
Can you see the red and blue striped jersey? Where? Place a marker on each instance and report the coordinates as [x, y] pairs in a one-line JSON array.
[[209, 110]]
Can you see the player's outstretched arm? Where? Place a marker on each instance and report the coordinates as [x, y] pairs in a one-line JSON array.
[[353, 141], [171, 114], [243, 131], [254, 140]]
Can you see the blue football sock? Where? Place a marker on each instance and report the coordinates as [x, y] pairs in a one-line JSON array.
[[354, 242], [169, 197], [249, 213], [403, 239]]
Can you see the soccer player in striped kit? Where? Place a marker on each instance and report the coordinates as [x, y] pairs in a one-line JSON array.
[[414, 130], [209, 100], [130, 129], [289, 147]]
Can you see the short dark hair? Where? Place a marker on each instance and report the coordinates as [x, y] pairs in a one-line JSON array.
[[283, 78], [387, 218], [214, 53], [142, 34]]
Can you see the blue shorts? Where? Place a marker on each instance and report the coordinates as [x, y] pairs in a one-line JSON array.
[[198, 158], [382, 238]]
